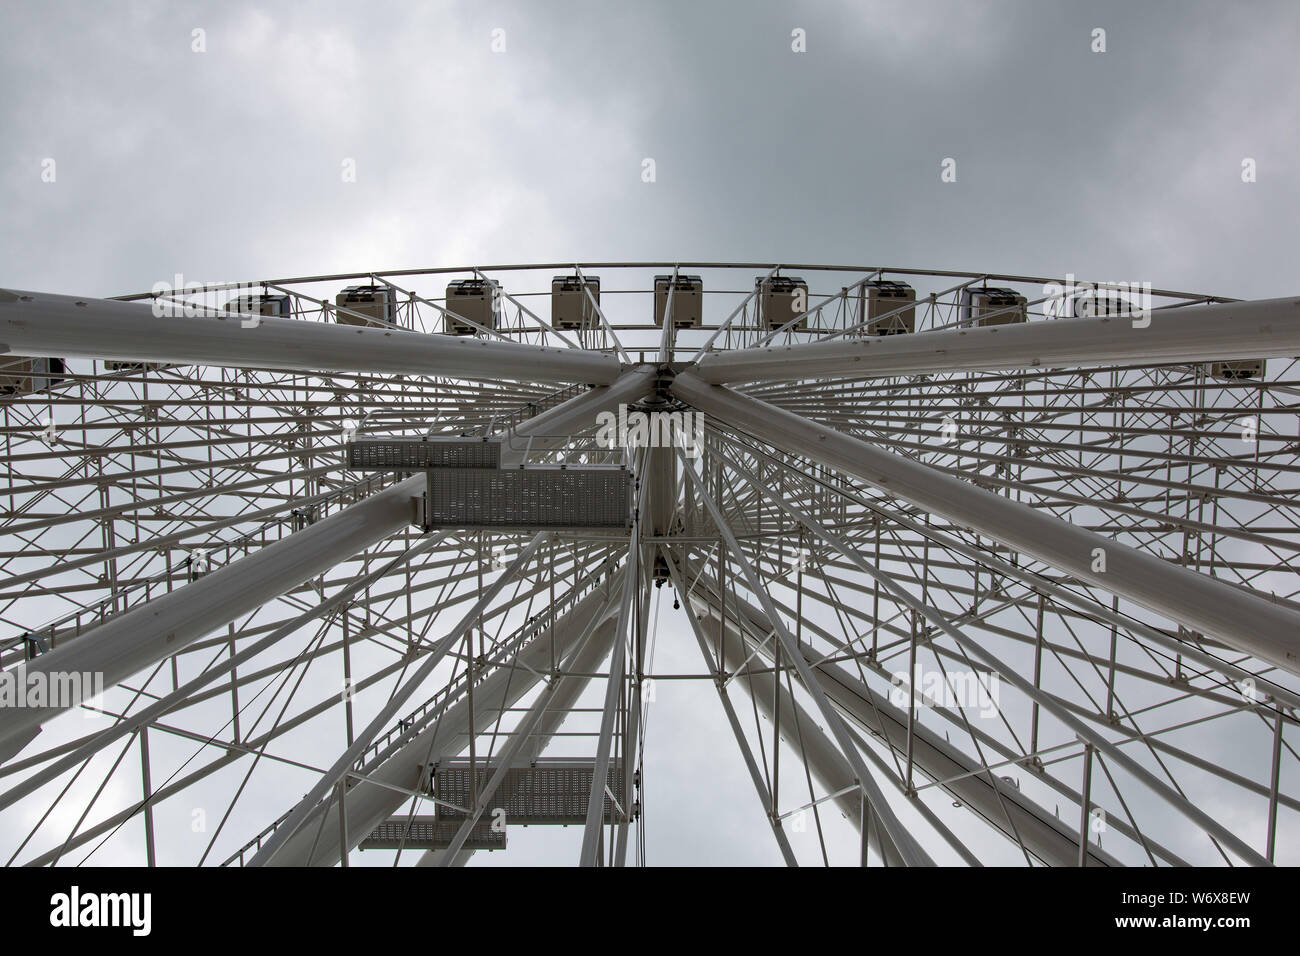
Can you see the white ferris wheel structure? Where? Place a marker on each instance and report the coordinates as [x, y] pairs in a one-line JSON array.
[[390, 566]]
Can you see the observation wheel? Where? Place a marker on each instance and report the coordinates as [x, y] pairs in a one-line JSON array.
[[521, 563]]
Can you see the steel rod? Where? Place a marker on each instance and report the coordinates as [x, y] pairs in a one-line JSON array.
[[1233, 330], [64, 326]]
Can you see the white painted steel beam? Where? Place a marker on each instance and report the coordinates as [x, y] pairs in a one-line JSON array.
[[1231, 330], [128, 643], [591, 834], [798, 727], [519, 739], [911, 852], [370, 802], [552, 427], [1087, 733], [177, 698], [131, 642], [986, 794], [1247, 622], [563, 694], [64, 326], [755, 774], [337, 773]]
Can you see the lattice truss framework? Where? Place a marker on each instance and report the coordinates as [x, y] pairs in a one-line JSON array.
[[284, 642]]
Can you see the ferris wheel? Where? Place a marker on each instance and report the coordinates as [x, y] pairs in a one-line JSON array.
[[405, 567]]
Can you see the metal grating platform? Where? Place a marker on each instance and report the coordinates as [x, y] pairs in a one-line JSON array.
[[548, 793], [416, 454], [582, 497], [431, 833]]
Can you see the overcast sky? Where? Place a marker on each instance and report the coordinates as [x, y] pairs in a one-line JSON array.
[[227, 163]]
